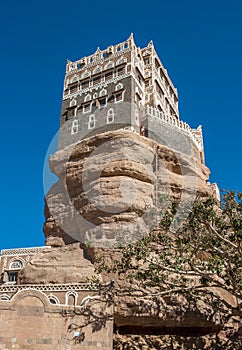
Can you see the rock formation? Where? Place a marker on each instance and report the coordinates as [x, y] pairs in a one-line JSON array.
[[110, 184]]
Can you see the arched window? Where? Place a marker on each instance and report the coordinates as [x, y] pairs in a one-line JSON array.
[[110, 116], [95, 95], [86, 74], [109, 65], [72, 102], [96, 70], [103, 92], [4, 297], [71, 298], [74, 127], [91, 121], [74, 79], [53, 299], [87, 98], [121, 60], [16, 265]]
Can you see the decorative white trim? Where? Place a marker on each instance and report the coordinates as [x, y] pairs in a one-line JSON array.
[[91, 121], [74, 127], [87, 98], [85, 74], [23, 251], [72, 102], [109, 65], [54, 298], [4, 297], [110, 116], [13, 288], [102, 93], [71, 293], [121, 60], [115, 97], [119, 87], [96, 70], [16, 264]]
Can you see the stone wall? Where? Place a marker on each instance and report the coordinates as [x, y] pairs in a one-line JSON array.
[[30, 322]]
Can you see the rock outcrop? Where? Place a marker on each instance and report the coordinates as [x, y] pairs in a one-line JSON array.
[[111, 184]]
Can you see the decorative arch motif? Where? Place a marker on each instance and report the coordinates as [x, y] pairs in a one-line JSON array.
[[4, 297], [73, 103], [73, 295], [96, 70], [103, 92], [16, 264], [53, 299], [86, 74], [74, 79], [87, 98], [109, 65], [121, 60], [119, 87]]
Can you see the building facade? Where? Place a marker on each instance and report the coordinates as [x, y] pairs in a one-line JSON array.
[[122, 87]]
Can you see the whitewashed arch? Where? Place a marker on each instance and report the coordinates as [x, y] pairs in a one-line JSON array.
[[86, 74], [96, 70], [121, 60], [71, 294], [53, 299], [4, 297], [109, 65], [72, 102], [16, 264], [88, 97], [103, 92]]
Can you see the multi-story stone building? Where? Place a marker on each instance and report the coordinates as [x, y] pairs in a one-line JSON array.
[[123, 88]]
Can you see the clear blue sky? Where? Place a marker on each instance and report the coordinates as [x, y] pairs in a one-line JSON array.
[[198, 41]]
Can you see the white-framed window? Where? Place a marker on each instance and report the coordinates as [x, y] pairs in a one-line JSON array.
[[109, 65], [87, 108], [86, 74], [110, 116], [103, 92], [91, 121], [4, 297], [73, 103], [53, 299], [71, 112], [96, 70], [121, 60], [16, 265], [12, 277], [74, 79], [74, 127], [87, 98], [119, 87], [71, 298], [95, 95], [119, 97]]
